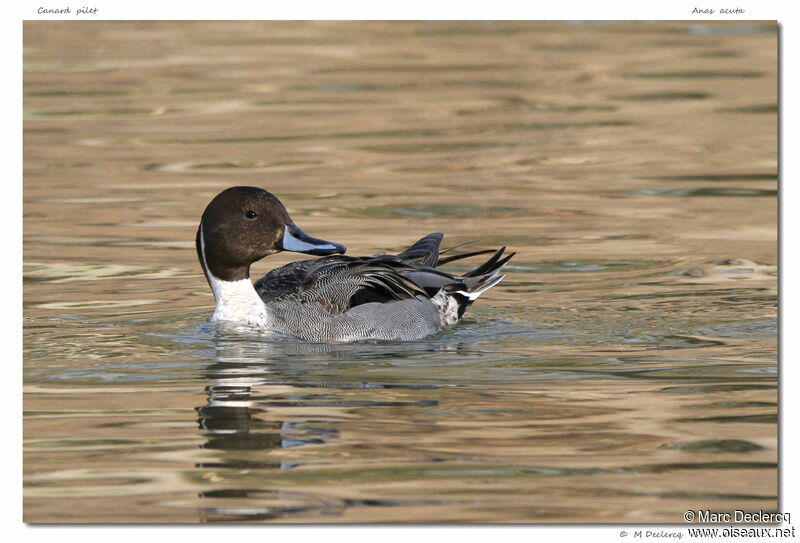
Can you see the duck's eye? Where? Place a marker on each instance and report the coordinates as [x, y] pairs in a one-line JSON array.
[[250, 214]]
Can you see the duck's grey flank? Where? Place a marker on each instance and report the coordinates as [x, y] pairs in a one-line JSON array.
[[335, 298]]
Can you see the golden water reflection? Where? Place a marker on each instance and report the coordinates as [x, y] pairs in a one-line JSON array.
[[624, 371]]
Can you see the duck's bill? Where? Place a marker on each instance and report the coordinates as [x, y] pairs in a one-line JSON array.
[[298, 241]]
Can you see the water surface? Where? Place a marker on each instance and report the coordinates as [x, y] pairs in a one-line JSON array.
[[624, 371]]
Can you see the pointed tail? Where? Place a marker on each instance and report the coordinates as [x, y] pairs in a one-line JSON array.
[[478, 281]]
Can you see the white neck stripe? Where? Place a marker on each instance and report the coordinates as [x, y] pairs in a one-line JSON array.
[[207, 271], [237, 301]]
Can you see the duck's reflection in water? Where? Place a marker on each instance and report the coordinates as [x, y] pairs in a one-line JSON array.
[[231, 422], [257, 409]]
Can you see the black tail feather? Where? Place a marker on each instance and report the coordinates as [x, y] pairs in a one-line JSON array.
[[486, 266], [490, 265], [463, 255]]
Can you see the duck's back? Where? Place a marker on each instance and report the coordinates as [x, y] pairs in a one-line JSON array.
[[393, 297]]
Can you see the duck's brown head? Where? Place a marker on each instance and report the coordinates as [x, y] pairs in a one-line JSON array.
[[242, 225]]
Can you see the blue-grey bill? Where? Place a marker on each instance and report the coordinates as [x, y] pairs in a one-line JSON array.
[[298, 241]]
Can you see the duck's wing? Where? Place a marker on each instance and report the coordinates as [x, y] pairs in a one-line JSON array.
[[339, 283], [287, 280], [359, 280]]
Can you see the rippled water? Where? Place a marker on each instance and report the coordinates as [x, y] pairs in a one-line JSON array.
[[624, 371]]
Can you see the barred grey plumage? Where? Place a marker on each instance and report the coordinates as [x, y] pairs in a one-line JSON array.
[[402, 297]]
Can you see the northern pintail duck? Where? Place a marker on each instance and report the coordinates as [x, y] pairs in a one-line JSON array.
[[335, 298]]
